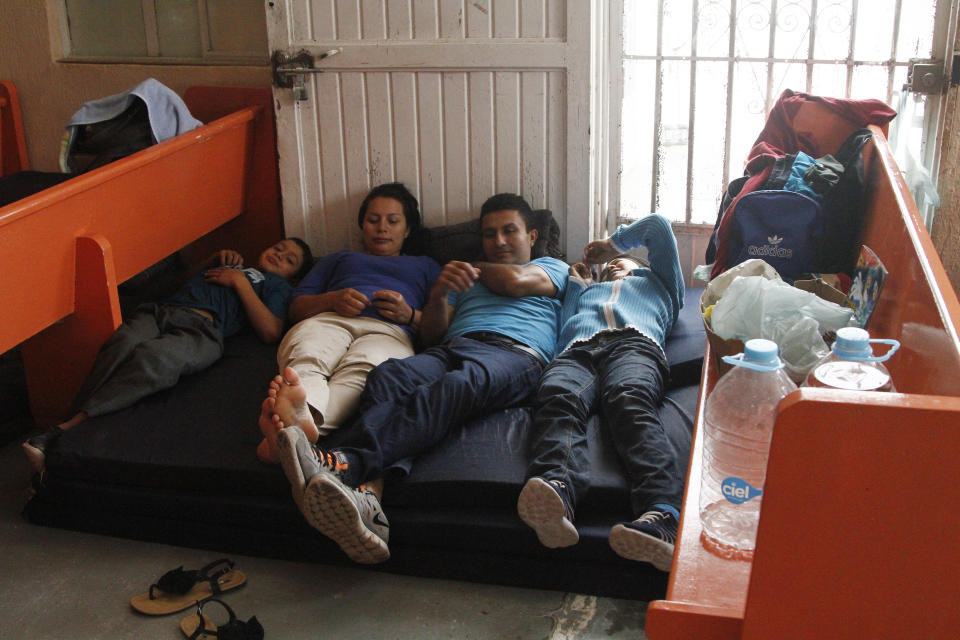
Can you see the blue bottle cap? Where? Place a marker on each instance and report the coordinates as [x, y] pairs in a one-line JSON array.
[[761, 352], [852, 343]]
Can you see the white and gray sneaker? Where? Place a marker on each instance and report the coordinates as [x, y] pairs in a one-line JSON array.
[[545, 507], [298, 459], [353, 518], [302, 460]]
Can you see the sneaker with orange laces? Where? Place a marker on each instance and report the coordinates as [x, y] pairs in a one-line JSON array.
[[353, 518], [302, 460]]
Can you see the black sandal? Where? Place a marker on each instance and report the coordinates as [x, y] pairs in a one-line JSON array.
[[178, 589], [235, 629]]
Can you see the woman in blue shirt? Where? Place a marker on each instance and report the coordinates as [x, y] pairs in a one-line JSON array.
[[353, 311]]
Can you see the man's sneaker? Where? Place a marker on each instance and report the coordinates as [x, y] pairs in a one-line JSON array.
[[301, 461], [545, 507], [353, 518], [649, 538], [37, 446]]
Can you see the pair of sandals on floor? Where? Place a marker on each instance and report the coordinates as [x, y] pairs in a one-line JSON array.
[[178, 589]]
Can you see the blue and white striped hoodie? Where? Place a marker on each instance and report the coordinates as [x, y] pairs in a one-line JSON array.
[[648, 300]]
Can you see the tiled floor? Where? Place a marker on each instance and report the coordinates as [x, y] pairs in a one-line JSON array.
[[63, 584]]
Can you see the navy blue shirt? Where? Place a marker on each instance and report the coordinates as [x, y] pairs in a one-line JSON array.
[[410, 276], [229, 315]]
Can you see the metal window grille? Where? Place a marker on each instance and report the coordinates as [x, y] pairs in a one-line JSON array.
[[700, 77]]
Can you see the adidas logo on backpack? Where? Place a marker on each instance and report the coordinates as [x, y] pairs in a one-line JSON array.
[[771, 249]]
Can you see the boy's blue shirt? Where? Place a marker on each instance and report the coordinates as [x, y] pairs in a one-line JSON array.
[[648, 300], [531, 320], [229, 316]]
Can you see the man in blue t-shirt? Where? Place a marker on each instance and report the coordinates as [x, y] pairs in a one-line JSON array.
[[493, 325]]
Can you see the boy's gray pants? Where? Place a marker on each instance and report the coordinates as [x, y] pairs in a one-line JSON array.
[[147, 353]]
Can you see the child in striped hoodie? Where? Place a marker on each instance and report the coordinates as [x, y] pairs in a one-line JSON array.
[[611, 362]]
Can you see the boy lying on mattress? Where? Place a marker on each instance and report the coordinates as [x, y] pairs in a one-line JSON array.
[[184, 334]]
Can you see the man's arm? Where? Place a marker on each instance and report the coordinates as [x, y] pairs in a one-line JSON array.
[[516, 281], [437, 312]]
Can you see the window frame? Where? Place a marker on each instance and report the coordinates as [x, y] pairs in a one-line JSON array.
[[63, 47]]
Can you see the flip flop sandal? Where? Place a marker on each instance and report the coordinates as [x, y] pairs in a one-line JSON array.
[[203, 627], [178, 589]]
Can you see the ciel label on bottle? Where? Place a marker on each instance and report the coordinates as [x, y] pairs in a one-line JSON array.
[[738, 490]]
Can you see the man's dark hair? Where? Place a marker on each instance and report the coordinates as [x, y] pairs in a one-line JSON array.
[[413, 245], [510, 202], [307, 263]]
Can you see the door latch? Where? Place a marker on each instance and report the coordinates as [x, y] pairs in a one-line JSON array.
[[290, 71], [925, 76]]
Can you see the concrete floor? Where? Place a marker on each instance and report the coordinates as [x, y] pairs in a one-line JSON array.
[[63, 584]]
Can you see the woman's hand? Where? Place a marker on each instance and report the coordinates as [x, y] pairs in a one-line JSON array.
[[348, 302], [392, 306]]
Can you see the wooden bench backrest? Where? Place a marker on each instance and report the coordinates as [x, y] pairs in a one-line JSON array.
[[917, 304], [13, 145]]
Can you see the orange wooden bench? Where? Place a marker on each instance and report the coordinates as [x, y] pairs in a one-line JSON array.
[[13, 146], [63, 251], [858, 535]]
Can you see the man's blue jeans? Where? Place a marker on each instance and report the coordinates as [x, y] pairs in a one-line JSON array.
[[410, 404], [620, 376]]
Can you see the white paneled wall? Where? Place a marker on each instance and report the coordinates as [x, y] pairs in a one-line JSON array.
[[458, 100]]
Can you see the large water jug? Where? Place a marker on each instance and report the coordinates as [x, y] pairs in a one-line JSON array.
[[738, 426], [851, 364]]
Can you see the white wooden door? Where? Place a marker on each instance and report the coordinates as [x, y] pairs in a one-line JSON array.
[[457, 99]]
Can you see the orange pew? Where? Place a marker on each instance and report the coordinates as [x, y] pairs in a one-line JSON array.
[[65, 250], [858, 532], [13, 146]]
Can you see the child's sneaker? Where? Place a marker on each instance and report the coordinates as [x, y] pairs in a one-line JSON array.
[[301, 461], [649, 538], [545, 507], [353, 518], [36, 447]]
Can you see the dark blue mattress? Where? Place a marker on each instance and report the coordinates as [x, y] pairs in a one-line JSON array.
[[179, 467]]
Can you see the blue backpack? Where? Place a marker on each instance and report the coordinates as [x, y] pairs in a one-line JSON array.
[[781, 227]]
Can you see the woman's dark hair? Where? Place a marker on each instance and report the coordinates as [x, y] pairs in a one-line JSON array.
[[415, 241], [510, 202], [307, 258]]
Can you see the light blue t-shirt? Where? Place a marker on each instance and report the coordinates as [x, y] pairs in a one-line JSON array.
[[530, 320]]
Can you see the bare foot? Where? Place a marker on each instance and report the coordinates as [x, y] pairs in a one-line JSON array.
[[291, 403], [267, 449]]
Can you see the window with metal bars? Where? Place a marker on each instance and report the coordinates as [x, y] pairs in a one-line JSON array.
[[698, 78]]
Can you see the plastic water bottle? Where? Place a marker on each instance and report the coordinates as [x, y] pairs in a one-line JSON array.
[[739, 418], [851, 364]]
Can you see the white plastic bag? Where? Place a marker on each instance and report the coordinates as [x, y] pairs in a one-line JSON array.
[[755, 307], [801, 348]]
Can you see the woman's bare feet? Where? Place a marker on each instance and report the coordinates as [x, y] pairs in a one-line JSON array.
[[291, 406], [267, 449]]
